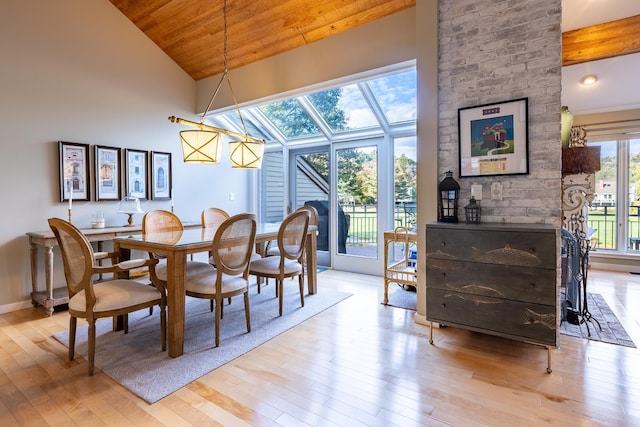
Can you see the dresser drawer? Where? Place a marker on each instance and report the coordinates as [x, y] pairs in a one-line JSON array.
[[526, 249], [500, 281], [510, 319]]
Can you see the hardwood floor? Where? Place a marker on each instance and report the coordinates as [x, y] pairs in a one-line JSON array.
[[358, 363]]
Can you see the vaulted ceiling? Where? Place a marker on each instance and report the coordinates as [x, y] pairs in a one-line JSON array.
[[600, 36], [191, 31]]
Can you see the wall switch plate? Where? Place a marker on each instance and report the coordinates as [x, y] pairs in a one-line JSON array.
[[232, 196], [476, 191], [496, 191]]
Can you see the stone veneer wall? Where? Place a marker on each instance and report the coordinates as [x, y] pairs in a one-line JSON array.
[[493, 51]]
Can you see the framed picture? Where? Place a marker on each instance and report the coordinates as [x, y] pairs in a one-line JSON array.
[[107, 172], [74, 171], [493, 139], [160, 175], [136, 173]]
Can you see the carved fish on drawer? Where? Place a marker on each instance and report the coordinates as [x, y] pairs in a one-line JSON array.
[[476, 299], [548, 320], [506, 256], [440, 255], [477, 289]]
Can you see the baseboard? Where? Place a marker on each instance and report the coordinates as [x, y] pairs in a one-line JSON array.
[[8, 308]]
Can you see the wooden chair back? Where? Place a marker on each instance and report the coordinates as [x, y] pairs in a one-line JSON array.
[[213, 217], [233, 244], [313, 214], [292, 235], [77, 258], [158, 221]]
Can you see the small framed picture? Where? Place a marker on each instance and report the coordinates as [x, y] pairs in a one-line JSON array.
[[74, 171], [136, 173], [160, 175], [107, 172], [493, 139]]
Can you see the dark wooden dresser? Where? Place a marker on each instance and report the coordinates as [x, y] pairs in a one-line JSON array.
[[498, 279]]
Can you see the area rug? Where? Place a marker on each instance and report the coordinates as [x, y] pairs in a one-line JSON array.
[[136, 361], [612, 331], [401, 298]]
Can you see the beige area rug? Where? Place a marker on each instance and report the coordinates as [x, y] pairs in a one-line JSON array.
[[136, 361]]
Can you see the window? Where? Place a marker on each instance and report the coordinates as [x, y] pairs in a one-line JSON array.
[[614, 215]]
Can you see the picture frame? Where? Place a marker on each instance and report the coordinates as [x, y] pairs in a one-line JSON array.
[[74, 171], [493, 139], [136, 182], [108, 172], [161, 175]]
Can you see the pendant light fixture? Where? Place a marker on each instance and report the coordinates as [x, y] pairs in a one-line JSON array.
[[204, 145]]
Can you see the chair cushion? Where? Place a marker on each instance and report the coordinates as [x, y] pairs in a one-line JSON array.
[[193, 267], [115, 295], [254, 257], [204, 283], [271, 266]]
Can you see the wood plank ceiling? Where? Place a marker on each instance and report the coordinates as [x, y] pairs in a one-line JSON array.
[[191, 31]]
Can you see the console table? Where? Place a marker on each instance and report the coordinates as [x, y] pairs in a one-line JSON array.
[[52, 296]]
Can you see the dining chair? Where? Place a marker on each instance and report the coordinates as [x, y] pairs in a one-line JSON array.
[[292, 236], [213, 217], [313, 220], [93, 300], [161, 221], [231, 248]]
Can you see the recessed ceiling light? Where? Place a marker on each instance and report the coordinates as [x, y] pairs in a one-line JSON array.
[[589, 79]]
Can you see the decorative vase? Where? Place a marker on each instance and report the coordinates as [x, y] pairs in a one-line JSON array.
[[566, 121]]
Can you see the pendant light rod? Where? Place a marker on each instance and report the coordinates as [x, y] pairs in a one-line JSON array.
[[202, 126], [203, 145]]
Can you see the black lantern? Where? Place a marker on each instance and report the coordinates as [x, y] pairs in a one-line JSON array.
[[448, 201], [472, 211]]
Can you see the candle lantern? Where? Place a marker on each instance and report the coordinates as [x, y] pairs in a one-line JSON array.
[[472, 211], [449, 190]]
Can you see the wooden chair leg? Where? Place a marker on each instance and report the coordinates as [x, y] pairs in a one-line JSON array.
[[246, 310], [301, 283], [163, 326], [92, 344], [73, 321], [217, 322], [280, 285]]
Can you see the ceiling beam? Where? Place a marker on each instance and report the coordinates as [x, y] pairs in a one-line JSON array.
[[601, 41]]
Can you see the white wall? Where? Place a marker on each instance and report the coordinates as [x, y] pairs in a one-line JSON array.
[[387, 41], [79, 71]]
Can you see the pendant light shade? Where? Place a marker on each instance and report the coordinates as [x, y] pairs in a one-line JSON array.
[[246, 154], [201, 146]]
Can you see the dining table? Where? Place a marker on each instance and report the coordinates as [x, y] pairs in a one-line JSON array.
[[177, 245]]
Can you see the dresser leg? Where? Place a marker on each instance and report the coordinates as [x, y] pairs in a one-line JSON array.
[[430, 332], [548, 360]]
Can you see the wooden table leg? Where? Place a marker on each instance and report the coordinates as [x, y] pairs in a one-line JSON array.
[[312, 258], [48, 274], [176, 271], [34, 272]]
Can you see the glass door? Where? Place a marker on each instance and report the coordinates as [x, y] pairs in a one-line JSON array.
[[309, 185], [357, 226]]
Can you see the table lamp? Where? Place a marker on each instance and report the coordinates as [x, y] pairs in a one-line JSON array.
[[130, 205]]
